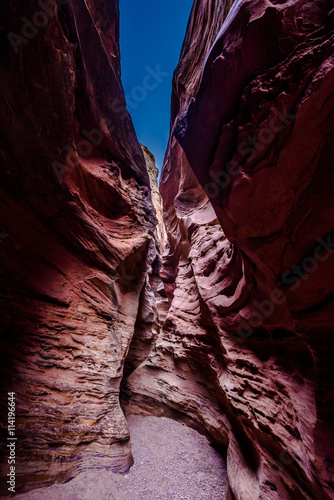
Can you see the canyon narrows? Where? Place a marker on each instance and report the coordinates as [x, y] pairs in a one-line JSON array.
[[80, 223], [215, 309], [246, 351]]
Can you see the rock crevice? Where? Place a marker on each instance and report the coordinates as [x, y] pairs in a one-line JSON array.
[[213, 306], [245, 351]]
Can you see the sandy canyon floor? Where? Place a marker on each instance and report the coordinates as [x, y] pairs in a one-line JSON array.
[[171, 462]]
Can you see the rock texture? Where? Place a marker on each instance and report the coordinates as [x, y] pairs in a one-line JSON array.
[[77, 237], [171, 462], [245, 353], [153, 305], [153, 172]]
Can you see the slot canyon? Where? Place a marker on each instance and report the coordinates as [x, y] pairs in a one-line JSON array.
[[208, 299]]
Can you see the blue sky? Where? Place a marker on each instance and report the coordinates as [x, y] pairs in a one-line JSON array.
[[152, 32]]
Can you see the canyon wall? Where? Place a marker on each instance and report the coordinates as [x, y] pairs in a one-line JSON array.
[[77, 238], [246, 354], [236, 341]]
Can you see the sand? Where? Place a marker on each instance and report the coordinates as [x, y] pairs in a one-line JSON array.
[[172, 462]]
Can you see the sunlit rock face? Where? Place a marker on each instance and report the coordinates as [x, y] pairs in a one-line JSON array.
[[153, 304], [77, 229], [153, 173], [245, 353]]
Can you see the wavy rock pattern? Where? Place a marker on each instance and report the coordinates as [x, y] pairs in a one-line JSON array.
[[245, 353], [79, 224], [237, 340]]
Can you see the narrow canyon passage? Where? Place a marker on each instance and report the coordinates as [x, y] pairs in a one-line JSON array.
[[171, 462], [144, 322]]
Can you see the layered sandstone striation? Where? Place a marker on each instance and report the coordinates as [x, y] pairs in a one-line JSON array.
[[153, 304], [153, 173], [77, 237], [245, 353], [236, 341]]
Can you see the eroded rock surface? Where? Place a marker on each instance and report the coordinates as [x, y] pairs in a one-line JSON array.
[[153, 305], [153, 173], [171, 462], [245, 353], [77, 228]]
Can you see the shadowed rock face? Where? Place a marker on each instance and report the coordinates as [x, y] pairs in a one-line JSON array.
[[245, 353], [153, 301], [77, 225]]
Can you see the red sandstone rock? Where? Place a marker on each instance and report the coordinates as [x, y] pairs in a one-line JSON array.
[[80, 271], [153, 304], [78, 223], [248, 365]]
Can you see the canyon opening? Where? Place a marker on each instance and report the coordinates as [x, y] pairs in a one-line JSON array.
[[167, 340]]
